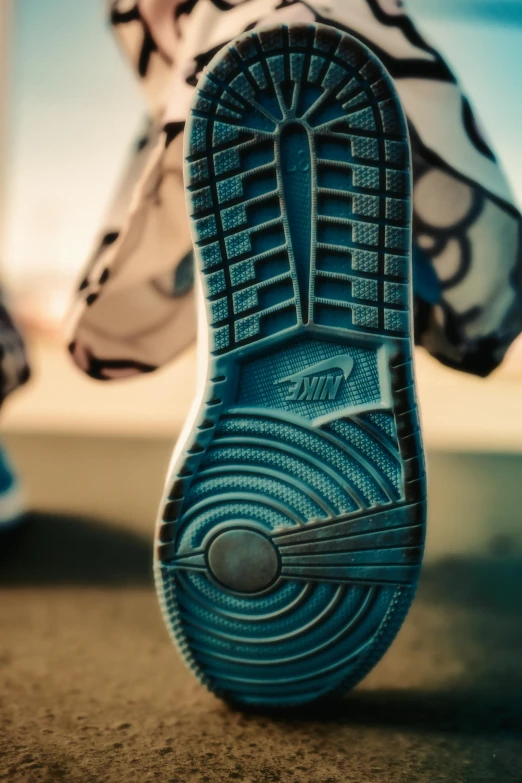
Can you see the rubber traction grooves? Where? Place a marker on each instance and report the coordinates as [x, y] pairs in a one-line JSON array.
[[290, 543]]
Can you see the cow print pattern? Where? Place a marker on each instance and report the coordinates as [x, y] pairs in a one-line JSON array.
[[14, 366], [133, 315]]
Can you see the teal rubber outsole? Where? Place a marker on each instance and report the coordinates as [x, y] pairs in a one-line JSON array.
[[289, 546]]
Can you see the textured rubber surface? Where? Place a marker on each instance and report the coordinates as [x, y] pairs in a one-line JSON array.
[[290, 544]]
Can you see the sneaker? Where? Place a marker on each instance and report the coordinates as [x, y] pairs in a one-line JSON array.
[[290, 543], [12, 507]]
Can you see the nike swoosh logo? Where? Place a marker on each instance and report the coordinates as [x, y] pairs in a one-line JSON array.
[[344, 363]]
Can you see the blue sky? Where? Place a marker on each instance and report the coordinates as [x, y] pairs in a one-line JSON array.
[[74, 109]]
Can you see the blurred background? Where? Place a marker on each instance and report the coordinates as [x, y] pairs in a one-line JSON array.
[[69, 111]]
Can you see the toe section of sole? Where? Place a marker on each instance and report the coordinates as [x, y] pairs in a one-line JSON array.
[[298, 175]]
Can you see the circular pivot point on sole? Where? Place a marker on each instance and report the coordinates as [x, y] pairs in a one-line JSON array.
[[243, 560]]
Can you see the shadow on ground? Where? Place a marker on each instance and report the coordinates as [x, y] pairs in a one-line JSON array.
[[461, 710], [57, 550]]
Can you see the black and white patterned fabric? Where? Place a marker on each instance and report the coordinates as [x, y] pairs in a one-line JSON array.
[[14, 366], [135, 309]]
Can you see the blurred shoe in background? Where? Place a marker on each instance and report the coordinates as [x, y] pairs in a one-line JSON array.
[[12, 504]]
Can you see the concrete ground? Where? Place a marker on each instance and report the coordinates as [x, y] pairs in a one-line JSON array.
[[91, 689]]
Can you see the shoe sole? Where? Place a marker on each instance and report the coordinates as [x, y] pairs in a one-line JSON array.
[[289, 547]]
